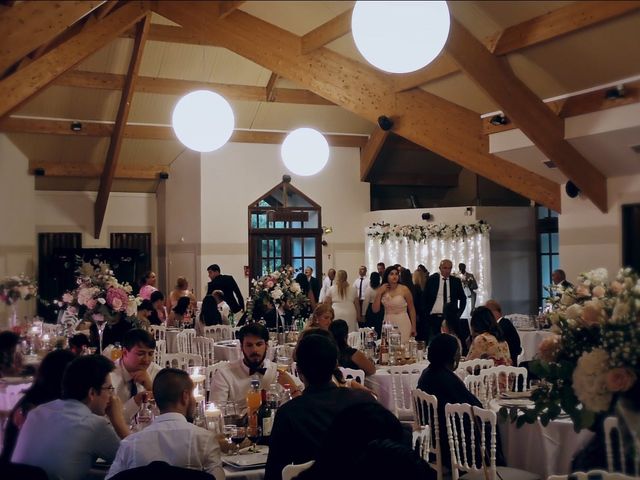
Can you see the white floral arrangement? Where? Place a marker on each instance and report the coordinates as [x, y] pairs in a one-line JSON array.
[[18, 287], [280, 289], [594, 356], [422, 233]]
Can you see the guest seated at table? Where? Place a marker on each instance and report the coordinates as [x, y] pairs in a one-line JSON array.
[[232, 381], [10, 356], [209, 313], [135, 371], [439, 379], [78, 344], [142, 316], [385, 459], [372, 319], [181, 290], [47, 386], [322, 317], [179, 315], [171, 437], [147, 285], [509, 332], [223, 307], [301, 425], [452, 325], [64, 437], [352, 431], [303, 281], [488, 340], [159, 314], [114, 331], [349, 357]]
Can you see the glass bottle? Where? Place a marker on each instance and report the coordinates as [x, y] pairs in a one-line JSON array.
[[254, 400], [384, 351]]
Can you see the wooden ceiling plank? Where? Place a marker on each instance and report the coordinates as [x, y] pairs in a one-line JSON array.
[[22, 85], [225, 7], [554, 24], [113, 154], [269, 88], [327, 32], [87, 170], [369, 154], [28, 25], [441, 126], [494, 76]]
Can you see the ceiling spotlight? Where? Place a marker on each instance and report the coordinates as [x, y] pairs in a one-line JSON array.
[[400, 37], [305, 151], [498, 120], [615, 93], [76, 126], [385, 123], [203, 121]]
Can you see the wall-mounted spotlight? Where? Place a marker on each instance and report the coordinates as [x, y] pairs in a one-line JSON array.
[[39, 172], [327, 230], [385, 123], [427, 216], [163, 175], [76, 126], [615, 93], [498, 120], [324, 243], [572, 189]]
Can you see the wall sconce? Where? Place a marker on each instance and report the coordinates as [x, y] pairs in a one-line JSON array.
[[327, 230], [498, 120]]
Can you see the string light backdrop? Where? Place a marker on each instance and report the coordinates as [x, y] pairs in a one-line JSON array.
[[412, 245]]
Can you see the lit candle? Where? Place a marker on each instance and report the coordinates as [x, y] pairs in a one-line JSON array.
[[45, 337], [212, 411], [197, 378]]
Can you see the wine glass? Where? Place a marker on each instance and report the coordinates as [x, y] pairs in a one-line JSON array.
[[238, 436], [229, 431], [100, 324], [230, 413], [253, 434]]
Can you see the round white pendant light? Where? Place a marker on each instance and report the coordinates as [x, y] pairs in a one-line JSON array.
[[203, 121], [305, 151], [400, 36]]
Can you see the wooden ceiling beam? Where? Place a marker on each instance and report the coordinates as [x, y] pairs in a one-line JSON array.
[[113, 154], [554, 24], [494, 76], [154, 132], [327, 32], [169, 86], [591, 102], [369, 154], [225, 7], [87, 170], [270, 86], [446, 129], [22, 85], [28, 25]]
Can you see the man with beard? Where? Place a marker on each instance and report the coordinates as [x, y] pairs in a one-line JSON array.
[[171, 438], [231, 382]]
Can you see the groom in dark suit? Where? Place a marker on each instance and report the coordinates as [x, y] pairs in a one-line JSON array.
[[441, 289], [226, 283]]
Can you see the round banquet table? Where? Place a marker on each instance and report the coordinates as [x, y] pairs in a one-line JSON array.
[[530, 340], [380, 383], [227, 350], [542, 450]]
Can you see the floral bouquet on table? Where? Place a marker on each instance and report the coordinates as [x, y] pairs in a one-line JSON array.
[[594, 359], [99, 298], [17, 288], [281, 290]]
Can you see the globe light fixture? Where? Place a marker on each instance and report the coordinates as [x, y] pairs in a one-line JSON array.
[[203, 121], [305, 151], [400, 36]]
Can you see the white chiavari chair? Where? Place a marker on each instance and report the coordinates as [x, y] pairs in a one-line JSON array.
[[618, 463], [159, 332], [353, 374], [205, 348], [507, 379], [425, 407], [404, 380], [219, 332], [290, 472], [160, 352], [353, 340], [185, 340], [421, 442], [593, 474], [481, 386], [210, 371], [473, 367], [182, 360]]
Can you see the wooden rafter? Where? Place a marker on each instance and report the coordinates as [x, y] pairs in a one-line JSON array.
[[22, 85], [369, 154], [270, 87], [113, 154], [228, 6], [441, 126], [327, 32], [557, 23], [494, 76], [170, 86], [28, 25], [154, 132], [595, 101], [87, 170]]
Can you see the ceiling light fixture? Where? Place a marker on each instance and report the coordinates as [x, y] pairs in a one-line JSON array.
[[76, 126], [305, 151], [385, 123], [203, 121], [400, 36], [498, 120]]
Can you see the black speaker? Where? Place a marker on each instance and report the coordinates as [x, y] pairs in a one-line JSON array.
[[427, 216], [385, 123], [163, 175], [572, 189]]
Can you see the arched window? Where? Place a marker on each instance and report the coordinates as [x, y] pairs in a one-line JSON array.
[[284, 229]]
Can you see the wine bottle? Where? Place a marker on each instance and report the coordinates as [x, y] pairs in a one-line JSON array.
[[384, 352]]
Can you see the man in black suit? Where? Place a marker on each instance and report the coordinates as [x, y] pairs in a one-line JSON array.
[[226, 283], [314, 286], [441, 289], [509, 332], [559, 279]]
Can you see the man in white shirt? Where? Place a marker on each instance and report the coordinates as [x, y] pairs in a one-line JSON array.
[[442, 288], [231, 382], [361, 284], [327, 283], [223, 307], [135, 371], [171, 437], [65, 437]]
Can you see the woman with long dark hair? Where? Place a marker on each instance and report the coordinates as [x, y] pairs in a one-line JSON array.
[[349, 357], [372, 319], [398, 303]]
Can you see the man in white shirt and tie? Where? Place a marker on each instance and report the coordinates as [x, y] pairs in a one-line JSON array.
[[135, 371], [440, 290], [361, 284], [171, 437], [327, 283]]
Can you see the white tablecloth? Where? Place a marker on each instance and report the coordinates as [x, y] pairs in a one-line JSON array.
[[380, 383], [225, 350], [11, 390], [530, 340], [542, 450]]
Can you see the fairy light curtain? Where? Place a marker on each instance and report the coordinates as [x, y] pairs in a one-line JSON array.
[[412, 245]]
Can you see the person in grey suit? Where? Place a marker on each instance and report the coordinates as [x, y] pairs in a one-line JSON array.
[[440, 290]]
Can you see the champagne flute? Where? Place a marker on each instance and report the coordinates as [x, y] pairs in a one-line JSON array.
[[237, 437]]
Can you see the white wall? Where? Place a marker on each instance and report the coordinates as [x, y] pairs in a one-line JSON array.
[[589, 238]]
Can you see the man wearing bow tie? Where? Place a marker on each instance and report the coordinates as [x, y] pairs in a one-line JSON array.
[[232, 381]]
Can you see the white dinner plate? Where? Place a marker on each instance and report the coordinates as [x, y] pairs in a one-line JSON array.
[[516, 402], [247, 460]]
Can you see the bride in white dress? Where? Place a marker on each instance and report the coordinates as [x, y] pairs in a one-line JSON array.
[[344, 300], [398, 304]]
